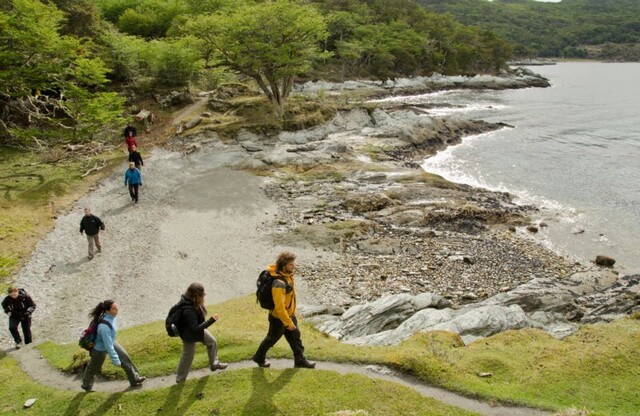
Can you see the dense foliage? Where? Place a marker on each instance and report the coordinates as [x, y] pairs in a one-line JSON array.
[[60, 59], [600, 29]]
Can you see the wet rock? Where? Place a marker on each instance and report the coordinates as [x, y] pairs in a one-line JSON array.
[[251, 146], [532, 229], [605, 261]]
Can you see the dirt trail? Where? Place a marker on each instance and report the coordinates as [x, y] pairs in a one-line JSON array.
[[196, 221], [38, 369]]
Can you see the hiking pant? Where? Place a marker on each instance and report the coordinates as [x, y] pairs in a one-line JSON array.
[[25, 322], [93, 239], [97, 359], [276, 331], [189, 351], [133, 191]]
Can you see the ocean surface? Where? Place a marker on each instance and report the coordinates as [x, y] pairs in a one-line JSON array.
[[574, 151]]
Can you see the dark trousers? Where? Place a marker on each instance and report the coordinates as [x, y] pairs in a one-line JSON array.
[[133, 191], [97, 359], [276, 331], [26, 328]]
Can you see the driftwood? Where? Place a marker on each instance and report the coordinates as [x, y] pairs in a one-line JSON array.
[[95, 168]]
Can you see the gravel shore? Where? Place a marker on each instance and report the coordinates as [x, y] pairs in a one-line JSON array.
[[196, 221]]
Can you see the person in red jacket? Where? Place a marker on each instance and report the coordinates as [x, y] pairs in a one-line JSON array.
[[130, 141]]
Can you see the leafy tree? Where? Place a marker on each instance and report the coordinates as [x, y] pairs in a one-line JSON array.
[[150, 18], [271, 42], [82, 17], [41, 71]]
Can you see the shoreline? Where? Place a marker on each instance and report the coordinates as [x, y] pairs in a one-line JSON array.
[[367, 227]]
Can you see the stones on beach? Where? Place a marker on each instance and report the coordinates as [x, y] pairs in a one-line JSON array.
[[532, 229]]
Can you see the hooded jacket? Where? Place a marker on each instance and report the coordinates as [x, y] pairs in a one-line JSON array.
[[284, 301], [192, 323], [19, 307]]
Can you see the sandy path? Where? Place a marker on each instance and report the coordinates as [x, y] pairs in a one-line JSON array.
[[196, 221], [38, 369]]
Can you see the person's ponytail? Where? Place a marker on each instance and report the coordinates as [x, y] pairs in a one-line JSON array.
[[100, 309]]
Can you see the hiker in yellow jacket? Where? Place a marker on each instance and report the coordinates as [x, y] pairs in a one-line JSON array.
[[282, 319]]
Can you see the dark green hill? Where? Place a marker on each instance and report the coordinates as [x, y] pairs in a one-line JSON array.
[[602, 29]]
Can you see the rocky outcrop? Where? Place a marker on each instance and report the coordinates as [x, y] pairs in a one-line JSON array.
[[549, 304], [519, 78]]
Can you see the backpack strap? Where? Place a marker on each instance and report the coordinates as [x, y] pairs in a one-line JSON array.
[[287, 286], [107, 323]]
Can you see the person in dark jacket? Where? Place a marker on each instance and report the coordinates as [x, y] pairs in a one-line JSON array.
[[192, 328], [104, 315], [130, 131], [282, 319], [19, 306], [136, 158], [133, 179], [91, 226]]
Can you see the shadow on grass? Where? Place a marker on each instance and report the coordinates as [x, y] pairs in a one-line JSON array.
[[74, 406], [261, 400], [171, 405]]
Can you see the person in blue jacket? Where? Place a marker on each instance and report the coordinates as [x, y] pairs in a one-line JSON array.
[[133, 179], [105, 315]]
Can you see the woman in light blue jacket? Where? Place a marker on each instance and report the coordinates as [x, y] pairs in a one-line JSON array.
[[105, 315]]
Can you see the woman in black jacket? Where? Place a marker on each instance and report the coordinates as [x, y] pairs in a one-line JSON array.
[[193, 328], [19, 306]]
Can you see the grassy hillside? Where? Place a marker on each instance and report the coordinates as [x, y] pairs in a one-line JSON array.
[[563, 29]]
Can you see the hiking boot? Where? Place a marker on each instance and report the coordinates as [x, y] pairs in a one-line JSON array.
[[88, 389], [138, 381], [304, 364], [18, 345], [219, 366], [261, 363], [89, 257]]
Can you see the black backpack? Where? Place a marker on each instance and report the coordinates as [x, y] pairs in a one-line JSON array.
[[263, 291], [171, 323]]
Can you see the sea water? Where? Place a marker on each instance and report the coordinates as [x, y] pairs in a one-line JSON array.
[[574, 151]]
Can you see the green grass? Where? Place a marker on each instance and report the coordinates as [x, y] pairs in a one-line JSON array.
[[259, 392], [596, 369]]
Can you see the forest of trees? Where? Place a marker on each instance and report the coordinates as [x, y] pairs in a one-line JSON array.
[[596, 29], [65, 63]]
